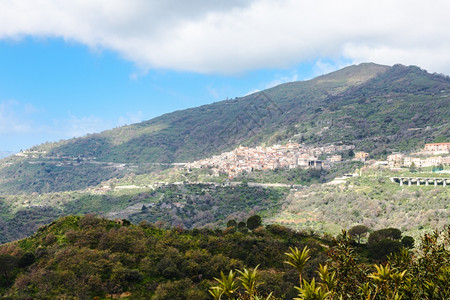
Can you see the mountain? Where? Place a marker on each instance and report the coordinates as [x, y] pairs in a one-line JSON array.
[[380, 109]]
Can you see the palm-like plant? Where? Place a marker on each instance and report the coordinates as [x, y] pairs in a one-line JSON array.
[[328, 279], [384, 277], [227, 284], [249, 280], [298, 259], [310, 291], [382, 274], [216, 292]]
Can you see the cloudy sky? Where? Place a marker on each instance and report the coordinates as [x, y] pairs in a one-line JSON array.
[[68, 68]]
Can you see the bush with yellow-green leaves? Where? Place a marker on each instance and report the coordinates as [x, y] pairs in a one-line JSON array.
[[420, 274]]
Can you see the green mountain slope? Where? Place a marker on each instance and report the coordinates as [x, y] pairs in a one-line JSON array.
[[194, 133], [378, 108], [356, 103]]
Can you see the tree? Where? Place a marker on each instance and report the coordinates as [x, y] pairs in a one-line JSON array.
[[385, 234], [8, 264], [408, 241], [242, 227], [358, 231], [254, 222], [381, 249], [351, 153], [298, 259], [231, 223]]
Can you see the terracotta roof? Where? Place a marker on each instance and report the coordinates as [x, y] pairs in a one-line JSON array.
[[437, 144]]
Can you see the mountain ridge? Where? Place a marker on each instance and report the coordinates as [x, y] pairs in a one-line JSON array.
[[265, 105], [380, 109]]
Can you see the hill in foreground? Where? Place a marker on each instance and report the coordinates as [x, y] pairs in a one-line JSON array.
[[88, 257]]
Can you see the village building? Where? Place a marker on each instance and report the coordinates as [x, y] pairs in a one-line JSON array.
[[432, 161], [395, 160], [437, 148], [361, 155], [335, 158], [446, 160]]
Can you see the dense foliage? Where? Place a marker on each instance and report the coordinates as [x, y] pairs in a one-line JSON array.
[[90, 257], [191, 206], [423, 274]]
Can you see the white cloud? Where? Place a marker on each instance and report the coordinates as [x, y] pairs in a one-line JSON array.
[[21, 125], [278, 79], [235, 36], [213, 92], [80, 126], [252, 92]]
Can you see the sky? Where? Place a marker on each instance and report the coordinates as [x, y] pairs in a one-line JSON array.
[[69, 68]]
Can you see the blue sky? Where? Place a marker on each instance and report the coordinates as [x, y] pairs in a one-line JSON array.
[[76, 67], [51, 89]]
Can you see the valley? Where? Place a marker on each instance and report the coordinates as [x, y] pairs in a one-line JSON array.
[[322, 155], [349, 166]]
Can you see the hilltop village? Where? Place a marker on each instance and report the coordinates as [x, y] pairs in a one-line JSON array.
[[289, 156], [293, 155]]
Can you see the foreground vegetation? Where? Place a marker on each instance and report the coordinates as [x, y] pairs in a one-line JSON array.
[[423, 274], [90, 257]]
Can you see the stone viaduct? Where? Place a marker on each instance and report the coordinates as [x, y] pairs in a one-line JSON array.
[[421, 181]]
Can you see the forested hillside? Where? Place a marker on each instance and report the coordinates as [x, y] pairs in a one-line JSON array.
[[379, 109]]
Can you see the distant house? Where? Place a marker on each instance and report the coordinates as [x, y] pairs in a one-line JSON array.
[[395, 160], [336, 158], [315, 164], [446, 160], [304, 161], [409, 161], [437, 148], [432, 161], [361, 155]]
